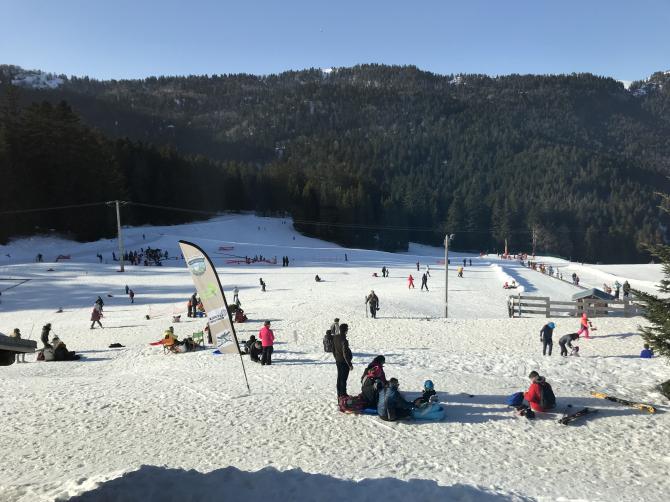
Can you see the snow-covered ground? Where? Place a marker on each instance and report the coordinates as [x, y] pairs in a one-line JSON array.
[[136, 424]]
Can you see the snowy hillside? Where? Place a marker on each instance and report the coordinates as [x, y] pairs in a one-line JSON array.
[[133, 423]]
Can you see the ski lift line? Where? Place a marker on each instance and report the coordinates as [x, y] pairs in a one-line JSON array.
[[171, 208], [54, 208]]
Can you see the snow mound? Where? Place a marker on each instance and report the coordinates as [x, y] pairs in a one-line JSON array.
[[506, 278]]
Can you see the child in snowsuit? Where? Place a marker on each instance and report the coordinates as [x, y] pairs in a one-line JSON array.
[[95, 316], [646, 353], [584, 326], [567, 340], [428, 395], [410, 282]]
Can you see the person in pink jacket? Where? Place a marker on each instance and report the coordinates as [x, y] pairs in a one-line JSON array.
[[584, 326], [410, 282], [267, 338]]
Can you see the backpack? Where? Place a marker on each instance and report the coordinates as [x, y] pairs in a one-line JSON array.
[[328, 343], [515, 399], [547, 397]]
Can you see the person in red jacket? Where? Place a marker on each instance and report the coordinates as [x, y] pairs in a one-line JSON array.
[[534, 393], [267, 338], [584, 326], [410, 282]]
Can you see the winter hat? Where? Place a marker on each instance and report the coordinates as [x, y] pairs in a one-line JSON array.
[[551, 325], [533, 374], [337, 319], [344, 328], [266, 323], [393, 383], [428, 385], [379, 359]]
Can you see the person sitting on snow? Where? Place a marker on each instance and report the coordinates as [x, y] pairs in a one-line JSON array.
[[255, 351], [427, 396], [249, 343], [533, 395], [646, 353], [391, 405], [317, 278], [373, 380]]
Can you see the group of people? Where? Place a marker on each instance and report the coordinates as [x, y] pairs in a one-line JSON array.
[[284, 261], [617, 289], [565, 342], [54, 350], [194, 305], [377, 392]]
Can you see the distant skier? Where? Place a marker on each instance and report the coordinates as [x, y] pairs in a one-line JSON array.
[[424, 282], [617, 288], [546, 334], [470, 262], [262, 283], [127, 289], [460, 271], [428, 270], [567, 340], [131, 294], [410, 282], [417, 266], [383, 271], [626, 289], [373, 300]]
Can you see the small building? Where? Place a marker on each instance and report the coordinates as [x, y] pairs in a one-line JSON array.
[[594, 301]]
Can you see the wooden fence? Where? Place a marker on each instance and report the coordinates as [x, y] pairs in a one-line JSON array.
[[543, 305]]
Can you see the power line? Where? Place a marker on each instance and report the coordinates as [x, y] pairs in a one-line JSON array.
[[54, 208]]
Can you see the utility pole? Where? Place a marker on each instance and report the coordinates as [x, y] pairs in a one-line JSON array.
[[447, 238], [534, 239], [118, 228]]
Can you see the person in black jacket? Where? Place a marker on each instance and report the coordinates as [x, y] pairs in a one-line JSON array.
[[545, 337], [342, 354], [567, 340], [45, 335]]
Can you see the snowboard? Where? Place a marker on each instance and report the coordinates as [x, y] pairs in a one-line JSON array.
[[574, 416], [640, 406]]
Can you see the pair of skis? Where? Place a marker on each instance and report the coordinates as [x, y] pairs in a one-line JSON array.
[[640, 406], [601, 395]]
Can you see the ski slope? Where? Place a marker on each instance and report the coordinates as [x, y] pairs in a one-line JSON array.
[[136, 424]]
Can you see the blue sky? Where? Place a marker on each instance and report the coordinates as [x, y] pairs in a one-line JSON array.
[[128, 39]]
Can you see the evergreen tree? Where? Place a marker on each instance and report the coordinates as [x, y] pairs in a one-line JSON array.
[[657, 334]]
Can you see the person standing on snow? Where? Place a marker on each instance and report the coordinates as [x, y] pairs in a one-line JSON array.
[[428, 270], [267, 338], [617, 287], [194, 305], [584, 326], [546, 333], [410, 282], [417, 266], [343, 356], [236, 296], [424, 282], [96, 314], [131, 294], [373, 300], [626, 289], [335, 327]]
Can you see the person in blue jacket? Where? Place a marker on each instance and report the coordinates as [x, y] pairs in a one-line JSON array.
[[391, 405], [646, 353]]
